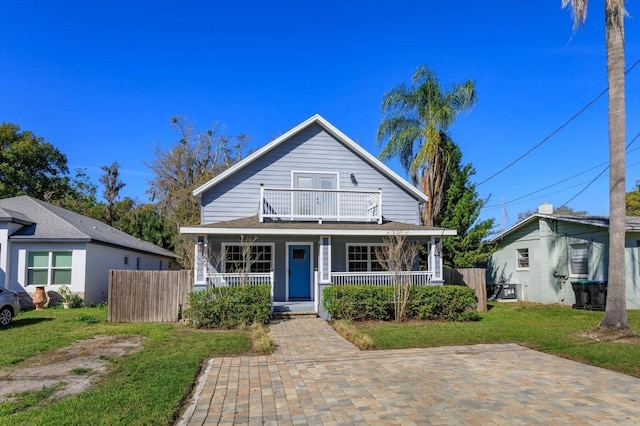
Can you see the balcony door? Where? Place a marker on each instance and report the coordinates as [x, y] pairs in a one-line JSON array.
[[316, 203]]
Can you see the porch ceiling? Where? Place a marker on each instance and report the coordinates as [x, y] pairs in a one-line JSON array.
[[252, 226]]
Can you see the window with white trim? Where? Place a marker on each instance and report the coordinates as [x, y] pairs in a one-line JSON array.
[[259, 257], [362, 258], [49, 268], [523, 258], [579, 260]]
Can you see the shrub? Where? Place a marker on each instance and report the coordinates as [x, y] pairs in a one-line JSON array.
[[229, 307], [362, 302], [448, 302], [359, 302]]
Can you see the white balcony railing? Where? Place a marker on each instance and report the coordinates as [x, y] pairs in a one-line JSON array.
[[418, 278], [320, 205]]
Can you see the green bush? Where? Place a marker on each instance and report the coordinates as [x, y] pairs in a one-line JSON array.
[[358, 302], [447, 302], [363, 302], [229, 307]]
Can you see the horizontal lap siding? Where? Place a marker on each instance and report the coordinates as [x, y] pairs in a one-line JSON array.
[[280, 256], [311, 150]]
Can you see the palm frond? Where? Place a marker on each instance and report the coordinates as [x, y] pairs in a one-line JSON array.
[[578, 11]]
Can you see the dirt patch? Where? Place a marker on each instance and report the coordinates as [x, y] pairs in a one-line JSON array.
[[604, 335], [73, 368]]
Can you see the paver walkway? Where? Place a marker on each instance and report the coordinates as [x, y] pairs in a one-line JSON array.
[[317, 377]]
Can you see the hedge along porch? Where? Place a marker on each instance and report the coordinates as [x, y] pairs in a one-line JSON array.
[[304, 257]]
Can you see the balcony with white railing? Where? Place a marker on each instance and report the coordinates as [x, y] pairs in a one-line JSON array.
[[320, 205]]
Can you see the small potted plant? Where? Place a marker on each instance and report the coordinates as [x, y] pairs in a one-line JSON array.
[[67, 296]]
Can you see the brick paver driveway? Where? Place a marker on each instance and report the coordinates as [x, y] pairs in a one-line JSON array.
[[316, 377]]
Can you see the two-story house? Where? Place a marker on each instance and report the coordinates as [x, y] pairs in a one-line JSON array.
[[306, 210]]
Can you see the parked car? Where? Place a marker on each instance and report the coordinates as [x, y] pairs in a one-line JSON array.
[[9, 306]]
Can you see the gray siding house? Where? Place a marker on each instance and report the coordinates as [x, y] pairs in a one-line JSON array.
[[306, 210], [544, 253]]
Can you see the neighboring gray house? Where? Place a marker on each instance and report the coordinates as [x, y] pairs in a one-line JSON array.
[[544, 253], [46, 245], [310, 207]]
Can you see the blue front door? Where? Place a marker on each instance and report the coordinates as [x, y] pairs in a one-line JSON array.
[[299, 272]]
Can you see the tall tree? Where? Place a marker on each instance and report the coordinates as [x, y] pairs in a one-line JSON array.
[[81, 196], [144, 221], [30, 166], [112, 186], [415, 122], [615, 316], [460, 210], [197, 157]]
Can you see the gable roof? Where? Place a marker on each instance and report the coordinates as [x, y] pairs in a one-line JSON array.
[[338, 135], [632, 223], [46, 222]]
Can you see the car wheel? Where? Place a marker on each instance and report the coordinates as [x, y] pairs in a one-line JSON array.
[[5, 316]]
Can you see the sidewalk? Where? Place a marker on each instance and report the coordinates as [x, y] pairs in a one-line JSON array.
[[317, 377]]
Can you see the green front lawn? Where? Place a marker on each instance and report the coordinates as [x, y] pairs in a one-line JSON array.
[[144, 388], [548, 328]]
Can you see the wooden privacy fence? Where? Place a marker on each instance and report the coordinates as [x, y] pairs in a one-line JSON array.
[[148, 296], [476, 278]]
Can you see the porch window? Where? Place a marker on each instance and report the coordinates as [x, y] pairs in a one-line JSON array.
[[49, 268], [255, 258], [523, 258], [362, 258], [579, 260]]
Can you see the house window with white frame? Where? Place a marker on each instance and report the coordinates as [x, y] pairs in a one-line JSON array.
[[523, 258], [579, 260], [362, 258], [49, 268], [258, 257]]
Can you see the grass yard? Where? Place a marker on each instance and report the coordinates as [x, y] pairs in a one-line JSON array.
[[549, 328], [143, 388]]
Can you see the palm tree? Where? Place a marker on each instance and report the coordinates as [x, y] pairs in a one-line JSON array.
[[616, 311], [415, 123]]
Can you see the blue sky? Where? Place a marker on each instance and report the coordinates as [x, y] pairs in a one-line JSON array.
[[101, 79]]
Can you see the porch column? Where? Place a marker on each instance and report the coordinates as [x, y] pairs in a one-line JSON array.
[[324, 259], [200, 263], [435, 260]]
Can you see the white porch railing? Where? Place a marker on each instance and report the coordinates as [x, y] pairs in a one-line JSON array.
[[320, 205], [419, 278], [217, 279]]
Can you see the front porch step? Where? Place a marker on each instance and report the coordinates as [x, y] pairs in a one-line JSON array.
[[293, 314]]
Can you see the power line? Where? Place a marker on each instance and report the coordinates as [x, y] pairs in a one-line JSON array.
[[554, 132], [598, 176], [512, 201]]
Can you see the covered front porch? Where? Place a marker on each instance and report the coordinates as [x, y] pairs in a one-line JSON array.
[[298, 259]]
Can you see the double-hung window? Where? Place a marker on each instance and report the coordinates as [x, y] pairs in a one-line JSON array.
[[256, 258], [362, 258], [49, 268], [579, 260], [523, 258]]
